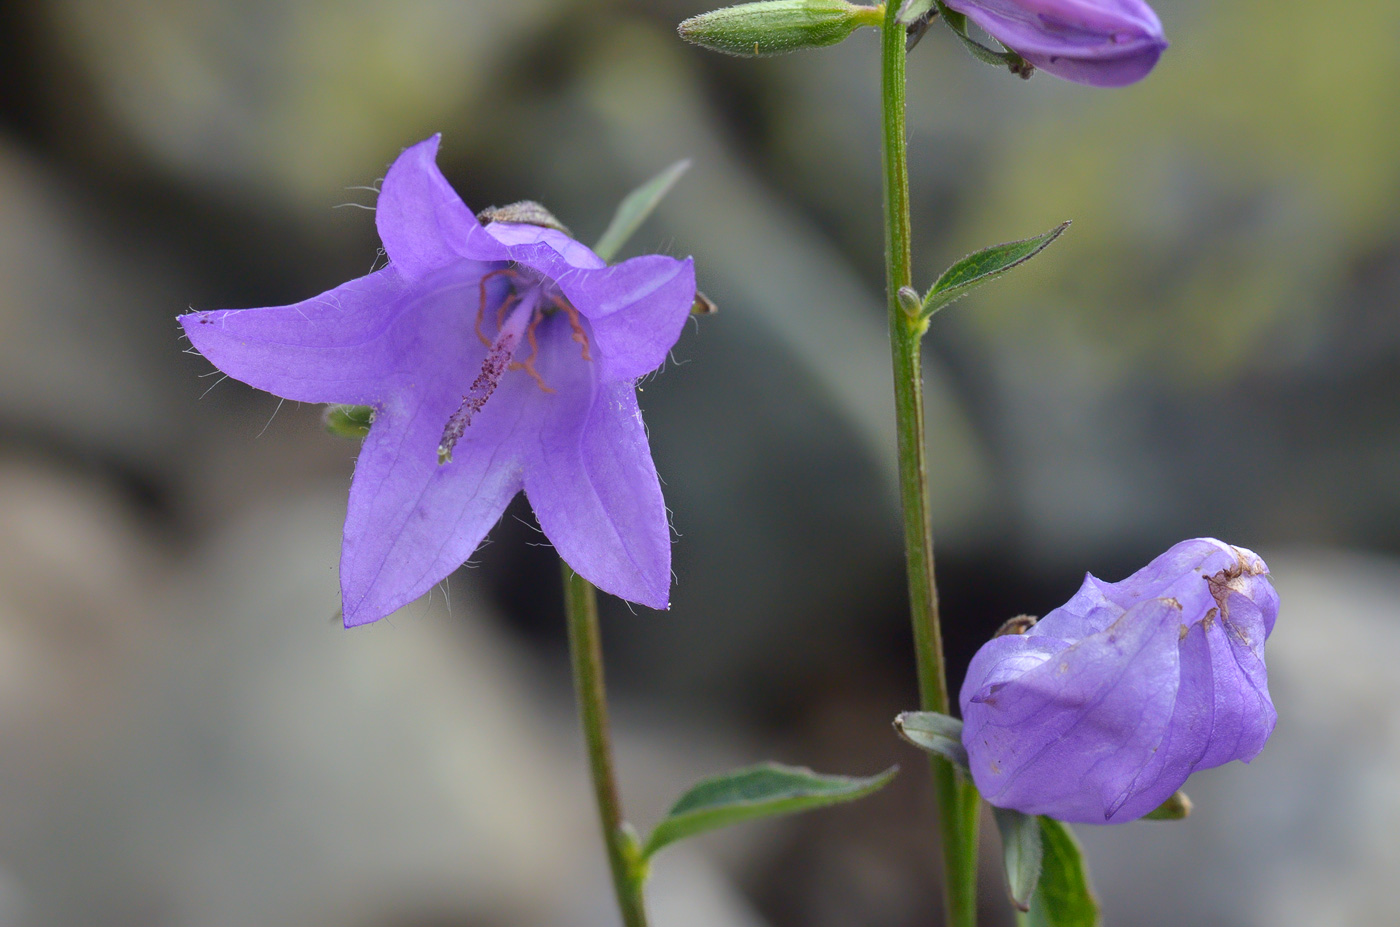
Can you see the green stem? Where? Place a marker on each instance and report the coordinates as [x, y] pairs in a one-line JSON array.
[[957, 799], [586, 649]]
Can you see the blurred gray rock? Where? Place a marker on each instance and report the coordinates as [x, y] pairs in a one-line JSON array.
[[217, 750], [83, 364]]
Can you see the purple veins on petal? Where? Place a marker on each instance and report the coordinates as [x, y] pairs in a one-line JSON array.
[[496, 357], [1102, 709]]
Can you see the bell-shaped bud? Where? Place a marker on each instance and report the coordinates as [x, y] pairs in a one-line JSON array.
[[773, 27], [1105, 43], [1098, 712]]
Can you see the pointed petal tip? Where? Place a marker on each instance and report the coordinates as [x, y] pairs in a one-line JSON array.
[[354, 617]]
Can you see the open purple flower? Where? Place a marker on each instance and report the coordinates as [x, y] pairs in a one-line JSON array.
[[496, 357], [1106, 43], [1100, 711]]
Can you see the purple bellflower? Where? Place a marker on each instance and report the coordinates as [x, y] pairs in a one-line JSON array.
[[496, 357], [1105, 43], [1099, 712]]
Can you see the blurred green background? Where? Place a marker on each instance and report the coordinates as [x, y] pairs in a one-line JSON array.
[[1212, 349]]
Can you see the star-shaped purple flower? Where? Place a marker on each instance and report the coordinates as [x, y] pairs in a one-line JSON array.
[[1100, 711], [497, 357]]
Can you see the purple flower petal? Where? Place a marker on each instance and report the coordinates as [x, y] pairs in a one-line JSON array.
[[1067, 737], [1104, 708], [329, 348], [547, 250], [590, 479], [637, 310], [1104, 43], [410, 522], [422, 221]]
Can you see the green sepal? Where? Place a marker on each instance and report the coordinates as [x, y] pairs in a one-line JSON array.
[[348, 421], [775, 27], [635, 208], [957, 22], [1176, 808], [1063, 898], [983, 267], [1021, 854], [911, 11], [910, 302], [936, 733], [761, 791]]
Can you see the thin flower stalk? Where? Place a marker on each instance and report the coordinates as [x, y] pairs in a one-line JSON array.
[[957, 799]]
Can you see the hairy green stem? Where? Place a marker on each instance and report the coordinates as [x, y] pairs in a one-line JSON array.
[[586, 650], [957, 799]]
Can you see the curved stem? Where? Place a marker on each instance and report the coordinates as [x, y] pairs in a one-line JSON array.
[[586, 651], [957, 799]]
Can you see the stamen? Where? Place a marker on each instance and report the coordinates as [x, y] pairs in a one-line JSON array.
[[529, 364], [575, 323], [481, 301]]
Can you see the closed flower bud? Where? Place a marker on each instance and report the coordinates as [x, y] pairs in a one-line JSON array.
[[1100, 711], [773, 27], [1106, 43]]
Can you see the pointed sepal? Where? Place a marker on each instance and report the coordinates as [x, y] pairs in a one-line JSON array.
[[1021, 854], [1176, 808], [348, 421], [936, 733], [1063, 897]]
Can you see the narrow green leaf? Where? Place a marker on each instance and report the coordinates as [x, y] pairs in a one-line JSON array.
[[761, 791], [635, 207], [984, 266], [1064, 897], [936, 733], [348, 421], [1176, 808], [1021, 853]]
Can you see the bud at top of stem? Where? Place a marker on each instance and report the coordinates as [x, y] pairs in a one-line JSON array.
[[773, 27]]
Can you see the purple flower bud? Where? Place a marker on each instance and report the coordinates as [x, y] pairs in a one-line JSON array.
[[1106, 43], [1099, 712]]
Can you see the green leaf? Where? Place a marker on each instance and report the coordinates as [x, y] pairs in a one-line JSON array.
[[761, 791], [1176, 808], [348, 421], [635, 207], [936, 733], [1021, 853], [984, 266], [1064, 897]]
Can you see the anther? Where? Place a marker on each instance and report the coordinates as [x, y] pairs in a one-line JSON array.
[[575, 323], [481, 301], [529, 364]]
